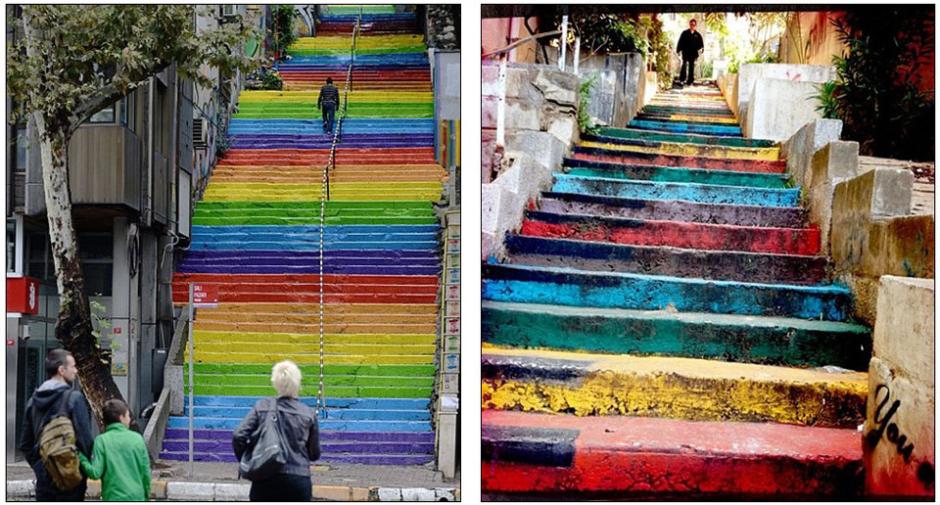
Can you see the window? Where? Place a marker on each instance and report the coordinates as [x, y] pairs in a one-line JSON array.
[[11, 244], [22, 142], [103, 116], [95, 253], [129, 110]]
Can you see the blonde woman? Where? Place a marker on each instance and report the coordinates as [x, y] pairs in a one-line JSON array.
[[300, 433]]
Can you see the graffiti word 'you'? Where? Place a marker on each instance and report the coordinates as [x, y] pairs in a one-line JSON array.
[[885, 428]]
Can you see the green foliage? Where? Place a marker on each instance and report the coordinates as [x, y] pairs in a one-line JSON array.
[[70, 61], [585, 124], [660, 53], [609, 33], [265, 79], [99, 321], [283, 29], [874, 93]]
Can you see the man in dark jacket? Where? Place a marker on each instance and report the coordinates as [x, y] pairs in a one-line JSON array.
[[690, 43], [328, 102], [61, 373]]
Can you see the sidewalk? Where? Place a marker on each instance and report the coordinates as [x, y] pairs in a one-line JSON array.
[[218, 482]]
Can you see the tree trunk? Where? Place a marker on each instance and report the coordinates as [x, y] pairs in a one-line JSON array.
[[73, 327]]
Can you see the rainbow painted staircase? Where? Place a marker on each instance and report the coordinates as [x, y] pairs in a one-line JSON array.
[[256, 235], [665, 327]]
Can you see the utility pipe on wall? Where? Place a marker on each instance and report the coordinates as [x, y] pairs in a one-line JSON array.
[[564, 42]]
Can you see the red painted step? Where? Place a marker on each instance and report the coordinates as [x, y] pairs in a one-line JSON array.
[[670, 160], [684, 235], [292, 157], [306, 288], [622, 457]]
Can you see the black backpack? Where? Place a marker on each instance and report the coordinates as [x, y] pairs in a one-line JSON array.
[[266, 454]]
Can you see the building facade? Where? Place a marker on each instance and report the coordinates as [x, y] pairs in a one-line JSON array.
[[135, 169]]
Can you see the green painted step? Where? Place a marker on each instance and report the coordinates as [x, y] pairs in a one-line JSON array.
[[670, 174], [314, 370], [214, 213], [311, 390], [637, 134], [329, 380], [748, 339]]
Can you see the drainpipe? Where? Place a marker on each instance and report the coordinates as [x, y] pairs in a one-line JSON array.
[[501, 103], [577, 53], [148, 208], [564, 44]]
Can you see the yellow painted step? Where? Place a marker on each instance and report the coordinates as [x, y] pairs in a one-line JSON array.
[[343, 41], [310, 97], [271, 337], [682, 388], [265, 357], [684, 149], [334, 327]]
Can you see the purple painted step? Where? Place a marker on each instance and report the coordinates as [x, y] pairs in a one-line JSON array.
[[359, 459], [325, 436], [672, 210], [222, 447]]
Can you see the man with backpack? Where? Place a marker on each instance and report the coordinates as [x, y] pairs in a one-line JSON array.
[[58, 424], [328, 102]]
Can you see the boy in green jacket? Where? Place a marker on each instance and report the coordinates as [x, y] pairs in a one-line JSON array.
[[119, 458]]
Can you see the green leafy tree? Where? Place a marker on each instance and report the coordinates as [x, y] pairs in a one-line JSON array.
[[66, 63]]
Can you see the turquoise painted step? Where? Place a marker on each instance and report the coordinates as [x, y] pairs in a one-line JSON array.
[[728, 337], [689, 192], [230, 423], [332, 402], [584, 288], [677, 127], [327, 414], [653, 173], [612, 134]]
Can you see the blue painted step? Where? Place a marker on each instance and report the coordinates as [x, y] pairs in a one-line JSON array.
[[677, 127]]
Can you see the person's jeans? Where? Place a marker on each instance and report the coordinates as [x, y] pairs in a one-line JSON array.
[[329, 114], [691, 75]]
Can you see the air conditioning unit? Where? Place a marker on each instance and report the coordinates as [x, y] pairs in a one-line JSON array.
[[229, 10], [200, 134]]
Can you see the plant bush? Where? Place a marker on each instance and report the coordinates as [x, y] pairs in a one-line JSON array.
[[874, 93], [661, 52], [585, 124], [282, 29]]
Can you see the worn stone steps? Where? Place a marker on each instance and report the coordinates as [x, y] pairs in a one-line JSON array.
[[620, 457], [686, 149], [684, 127], [610, 134], [655, 173], [730, 337], [671, 210], [676, 160], [671, 261]]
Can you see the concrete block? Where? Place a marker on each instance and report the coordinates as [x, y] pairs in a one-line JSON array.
[[800, 147], [158, 489], [904, 328], [446, 494], [779, 107], [491, 245], [359, 494], [232, 492], [190, 491], [544, 148], [835, 161], [555, 87], [334, 493], [21, 489], [491, 206], [565, 129], [418, 494], [388, 494], [750, 73], [173, 380], [898, 448]]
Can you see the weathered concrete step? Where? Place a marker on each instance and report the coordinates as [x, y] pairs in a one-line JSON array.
[[589, 384], [714, 237], [608, 133], [585, 288], [223, 447], [671, 160], [616, 457], [654, 173], [691, 109], [345, 458], [686, 149], [653, 260], [672, 210], [701, 119], [718, 130], [744, 339], [686, 191]]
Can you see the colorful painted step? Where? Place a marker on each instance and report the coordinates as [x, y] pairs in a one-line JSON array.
[[655, 173], [607, 134], [610, 457]]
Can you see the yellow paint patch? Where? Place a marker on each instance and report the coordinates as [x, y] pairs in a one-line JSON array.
[[310, 358], [684, 388], [683, 149], [704, 119]]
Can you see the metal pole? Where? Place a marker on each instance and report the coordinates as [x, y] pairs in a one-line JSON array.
[[577, 53], [564, 42], [501, 104], [192, 385]]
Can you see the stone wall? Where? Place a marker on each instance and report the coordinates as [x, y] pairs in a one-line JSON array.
[[777, 108], [618, 79], [898, 448], [443, 22], [750, 73], [541, 123]]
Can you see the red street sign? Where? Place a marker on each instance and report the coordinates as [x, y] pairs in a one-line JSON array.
[[23, 295], [205, 294]]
